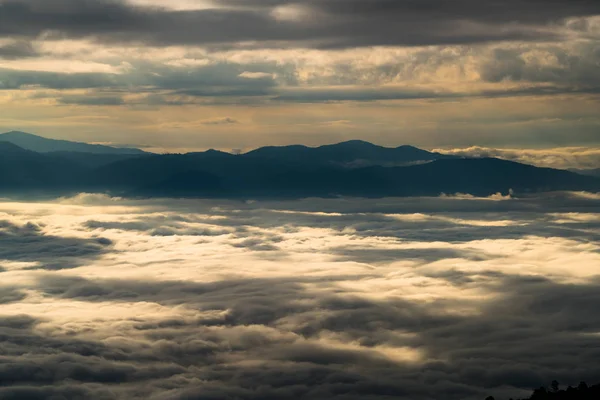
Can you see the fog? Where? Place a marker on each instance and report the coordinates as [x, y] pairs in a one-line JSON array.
[[453, 297]]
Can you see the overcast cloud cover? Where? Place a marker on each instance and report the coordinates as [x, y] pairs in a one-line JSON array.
[[432, 73], [104, 298]]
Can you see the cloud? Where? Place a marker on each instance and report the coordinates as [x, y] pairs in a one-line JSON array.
[[91, 100], [454, 297], [288, 62], [11, 79], [29, 244], [10, 295], [145, 84], [17, 49], [496, 197], [553, 63], [220, 121], [341, 93], [333, 23], [152, 75], [89, 199], [562, 158]]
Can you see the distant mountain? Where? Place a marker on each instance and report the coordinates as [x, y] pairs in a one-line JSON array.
[[184, 184], [7, 148], [278, 172], [353, 153], [485, 176], [215, 174], [24, 171], [588, 172], [43, 145], [154, 171], [94, 160]]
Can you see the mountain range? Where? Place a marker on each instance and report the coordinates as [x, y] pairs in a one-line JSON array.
[[44, 145], [588, 172], [31, 165]]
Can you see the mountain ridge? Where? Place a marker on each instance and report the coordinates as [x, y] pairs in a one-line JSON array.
[[350, 153], [41, 144], [278, 172]]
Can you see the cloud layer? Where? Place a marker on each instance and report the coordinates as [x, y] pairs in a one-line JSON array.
[[485, 73], [331, 23], [110, 298]]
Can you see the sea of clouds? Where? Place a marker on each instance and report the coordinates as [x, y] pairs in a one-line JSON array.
[[453, 297]]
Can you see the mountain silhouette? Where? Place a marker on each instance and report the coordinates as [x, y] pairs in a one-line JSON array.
[[43, 145], [588, 172], [184, 184], [353, 153], [554, 392], [94, 160], [278, 172], [240, 176], [25, 170]]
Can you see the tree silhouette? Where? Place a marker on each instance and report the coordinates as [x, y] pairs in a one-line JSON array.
[[581, 392]]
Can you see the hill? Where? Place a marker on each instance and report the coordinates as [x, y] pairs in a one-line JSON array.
[[589, 172], [240, 176], [581, 392], [24, 171], [94, 160], [43, 145], [353, 153], [278, 172]]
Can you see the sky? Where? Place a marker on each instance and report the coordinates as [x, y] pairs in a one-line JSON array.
[[454, 297], [183, 75]]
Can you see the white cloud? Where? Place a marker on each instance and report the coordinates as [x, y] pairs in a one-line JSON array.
[[563, 158], [255, 75], [180, 5], [382, 290], [294, 13]]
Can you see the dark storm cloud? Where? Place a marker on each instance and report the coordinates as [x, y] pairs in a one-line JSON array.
[[337, 23]]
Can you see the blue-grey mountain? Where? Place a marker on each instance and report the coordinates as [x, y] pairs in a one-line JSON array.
[[352, 168], [44, 145]]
